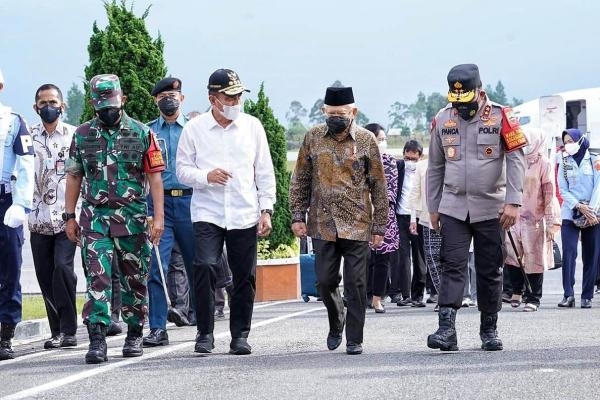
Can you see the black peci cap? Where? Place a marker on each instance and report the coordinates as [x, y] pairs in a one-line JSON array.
[[338, 96], [167, 85]]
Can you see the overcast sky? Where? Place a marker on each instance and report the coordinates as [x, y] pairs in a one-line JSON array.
[[386, 50]]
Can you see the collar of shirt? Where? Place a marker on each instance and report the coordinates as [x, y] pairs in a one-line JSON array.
[[212, 123], [60, 128], [180, 120]]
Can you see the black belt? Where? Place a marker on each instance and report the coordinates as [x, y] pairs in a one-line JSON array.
[[178, 192]]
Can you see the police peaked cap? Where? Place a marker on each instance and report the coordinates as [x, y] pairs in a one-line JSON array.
[[338, 96], [463, 79], [167, 85]]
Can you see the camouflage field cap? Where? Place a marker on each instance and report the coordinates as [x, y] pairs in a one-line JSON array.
[[106, 91]]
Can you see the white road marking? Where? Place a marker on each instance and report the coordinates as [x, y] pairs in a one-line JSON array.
[[93, 371]]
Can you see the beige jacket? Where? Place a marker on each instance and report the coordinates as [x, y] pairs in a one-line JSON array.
[[417, 199]]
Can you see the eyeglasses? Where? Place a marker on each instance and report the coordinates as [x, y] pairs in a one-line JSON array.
[[338, 113]]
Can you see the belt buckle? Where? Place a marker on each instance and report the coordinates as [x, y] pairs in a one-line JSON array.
[[176, 192]]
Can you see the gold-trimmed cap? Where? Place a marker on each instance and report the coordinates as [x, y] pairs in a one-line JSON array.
[[463, 80]]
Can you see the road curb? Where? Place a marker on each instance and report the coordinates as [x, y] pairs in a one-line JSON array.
[[31, 330]]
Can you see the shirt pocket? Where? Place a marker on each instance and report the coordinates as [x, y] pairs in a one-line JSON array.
[[488, 146], [92, 158], [129, 153], [451, 146]]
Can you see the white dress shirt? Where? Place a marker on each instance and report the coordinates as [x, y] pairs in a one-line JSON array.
[[241, 149], [51, 155]]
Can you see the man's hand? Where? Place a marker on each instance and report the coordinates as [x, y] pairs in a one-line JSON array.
[[413, 228], [376, 240], [299, 229], [435, 221], [218, 176], [73, 231], [264, 225], [508, 216], [156, 227], [15, 216]]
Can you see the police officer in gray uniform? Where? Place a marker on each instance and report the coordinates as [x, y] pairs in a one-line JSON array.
[[474, 189]]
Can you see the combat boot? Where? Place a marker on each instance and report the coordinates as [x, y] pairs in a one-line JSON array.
[[7, 332], [488, 334], [97, 349], [133, 342], [445, 337]]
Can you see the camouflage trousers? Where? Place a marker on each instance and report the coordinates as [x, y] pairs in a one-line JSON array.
[[133, 257]]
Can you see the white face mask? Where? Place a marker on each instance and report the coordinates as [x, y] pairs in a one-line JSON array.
[[232, 112], [572, 148], [382, 146], [410, 165]]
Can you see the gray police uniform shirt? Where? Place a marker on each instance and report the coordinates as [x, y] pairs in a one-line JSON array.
[[469, 172]]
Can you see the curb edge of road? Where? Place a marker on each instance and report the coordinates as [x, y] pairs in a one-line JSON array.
[[31, 330]]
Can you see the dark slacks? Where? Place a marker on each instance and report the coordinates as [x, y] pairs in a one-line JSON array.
[[178, 283], [378, 273], [11, 244], [328, 256], [419, 277], [519, 288], [409, 250], [53, 261], [488, 241], [590, 253], [241, 254]]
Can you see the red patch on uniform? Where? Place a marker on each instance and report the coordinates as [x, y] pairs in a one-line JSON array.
[[512, 134]]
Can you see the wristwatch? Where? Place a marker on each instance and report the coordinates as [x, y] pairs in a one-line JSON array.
[[68, 216], [268, 211]]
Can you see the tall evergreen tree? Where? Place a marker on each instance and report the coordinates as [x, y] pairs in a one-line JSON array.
[[126, 49], [282, 218], [75, 103]]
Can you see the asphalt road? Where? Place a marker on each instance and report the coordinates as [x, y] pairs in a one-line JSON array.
[[550, 354]]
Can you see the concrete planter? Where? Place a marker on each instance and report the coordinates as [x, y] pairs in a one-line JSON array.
[[278, 279]]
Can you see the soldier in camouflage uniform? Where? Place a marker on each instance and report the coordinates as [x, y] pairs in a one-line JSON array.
[[115, 154]]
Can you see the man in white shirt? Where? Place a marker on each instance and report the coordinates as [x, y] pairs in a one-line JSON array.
[[53, 252], [224, 156]]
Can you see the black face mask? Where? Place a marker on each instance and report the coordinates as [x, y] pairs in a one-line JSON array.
[[49, 114], [466, 110], [109, 116], [168, 106], [337, 125]]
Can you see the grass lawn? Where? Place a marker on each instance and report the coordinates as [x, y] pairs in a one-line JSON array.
[[34, 308]]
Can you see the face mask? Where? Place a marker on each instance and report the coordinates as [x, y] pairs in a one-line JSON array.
[[410, 165], [336, 125], [109, 116], [168, 106], [466, 110], [232, 112], [382, 146], [572, 148], [49, 114]]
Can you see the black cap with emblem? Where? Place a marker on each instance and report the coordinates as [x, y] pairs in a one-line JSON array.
[[167, 85], [226, 81], [463, 79]]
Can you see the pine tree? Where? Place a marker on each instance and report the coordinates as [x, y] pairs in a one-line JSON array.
[[126, 49], [75, 103], [282, 218]]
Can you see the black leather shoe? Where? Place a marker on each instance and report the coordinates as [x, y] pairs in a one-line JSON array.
[[418, 303], [445, 337], [205, 343], [114, 328], [404, 302], [334, 340], [133, 342], [488, 333], [432, 299], [568, 302], [354, 348], [68, 341], [586, 303], [53, 342], [239, 347], [175, 316], [156, 337], [219, 313]]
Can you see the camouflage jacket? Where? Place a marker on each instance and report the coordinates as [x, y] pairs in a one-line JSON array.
[[113, 164], [341, 184]]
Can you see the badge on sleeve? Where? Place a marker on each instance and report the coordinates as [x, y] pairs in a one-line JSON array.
[[153, 160], [512, 134]]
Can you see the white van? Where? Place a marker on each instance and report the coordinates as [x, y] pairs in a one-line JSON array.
[[573, 109]]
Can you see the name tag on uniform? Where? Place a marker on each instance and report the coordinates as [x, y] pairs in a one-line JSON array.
[[60, 167]]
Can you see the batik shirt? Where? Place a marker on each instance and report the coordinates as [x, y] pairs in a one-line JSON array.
[[340, 183]]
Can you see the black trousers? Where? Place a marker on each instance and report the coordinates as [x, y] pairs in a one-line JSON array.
[[177, 282], [518, 283], [401, 274], [328, 256], [488, 243], [378, 273], [53, 262], [241, 254]]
